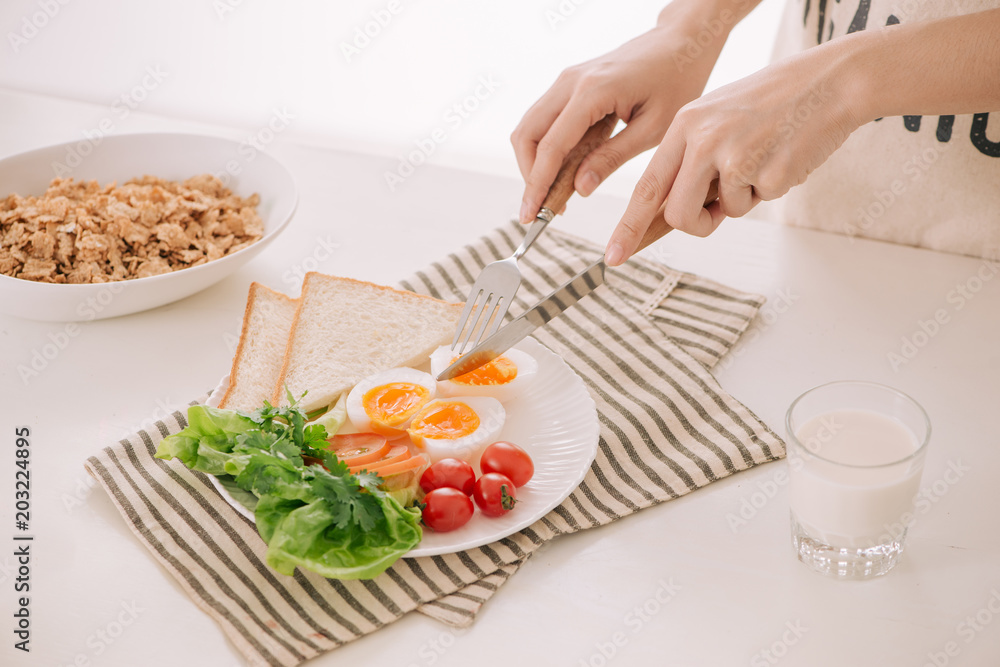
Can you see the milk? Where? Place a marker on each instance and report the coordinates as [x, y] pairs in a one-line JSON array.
[[856, 496]]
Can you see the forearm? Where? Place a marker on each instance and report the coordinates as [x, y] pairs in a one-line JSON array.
[[946, 66], [700, 28], [724, 13]]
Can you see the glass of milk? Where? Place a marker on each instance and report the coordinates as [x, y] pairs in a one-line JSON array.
[[855, 455]]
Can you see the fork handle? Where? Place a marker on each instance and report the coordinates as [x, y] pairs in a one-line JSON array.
[[562, 188], [541, 222]]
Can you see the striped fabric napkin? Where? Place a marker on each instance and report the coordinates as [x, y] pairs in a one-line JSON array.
[[643, 344]]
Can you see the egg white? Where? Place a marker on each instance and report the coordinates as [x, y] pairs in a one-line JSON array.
[[355, 406], [470, 447], [527, 368]]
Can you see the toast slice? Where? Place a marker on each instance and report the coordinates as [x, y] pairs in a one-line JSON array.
[[347, 329], [267, 322]]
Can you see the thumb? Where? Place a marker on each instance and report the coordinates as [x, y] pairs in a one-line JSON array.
[[635, 138]]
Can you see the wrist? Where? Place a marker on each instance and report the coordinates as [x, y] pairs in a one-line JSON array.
[[708, 21], [846, 68], [865, 69], [694, 30]]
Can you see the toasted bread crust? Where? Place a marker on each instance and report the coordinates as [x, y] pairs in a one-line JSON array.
[[255, 289], [386, 288]]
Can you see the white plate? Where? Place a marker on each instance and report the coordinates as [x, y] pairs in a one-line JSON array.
[[119, 158], [555, 421]]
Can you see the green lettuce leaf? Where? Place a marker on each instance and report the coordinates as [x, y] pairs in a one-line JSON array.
[[271, 511], [317, 517], [309, 537], [207, 442], [334, 417], [245, 498]]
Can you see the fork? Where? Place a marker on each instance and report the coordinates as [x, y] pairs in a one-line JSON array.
[[494, 289]]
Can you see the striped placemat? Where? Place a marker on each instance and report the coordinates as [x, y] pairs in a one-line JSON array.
[[643, 344]]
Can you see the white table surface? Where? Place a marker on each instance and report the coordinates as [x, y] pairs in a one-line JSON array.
[[740, 588]]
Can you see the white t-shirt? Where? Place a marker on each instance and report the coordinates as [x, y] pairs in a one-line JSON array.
[[931, 181]]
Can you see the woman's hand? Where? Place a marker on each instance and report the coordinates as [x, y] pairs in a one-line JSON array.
[[759, 136], [644, 82]]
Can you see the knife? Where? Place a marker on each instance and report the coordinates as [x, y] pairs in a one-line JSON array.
[[510, 334], [552, 305]]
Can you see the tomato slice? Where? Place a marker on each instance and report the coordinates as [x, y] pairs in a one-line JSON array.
[[396, 454], [359, 448], [410, 464]]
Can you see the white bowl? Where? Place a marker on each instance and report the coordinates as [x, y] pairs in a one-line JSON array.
[[119, 158]]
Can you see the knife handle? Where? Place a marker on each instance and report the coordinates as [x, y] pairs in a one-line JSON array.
[[659, 227], [562, 188]]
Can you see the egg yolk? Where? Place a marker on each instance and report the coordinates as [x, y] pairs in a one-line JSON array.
[[499, 371], [446, 420], [395, 402]]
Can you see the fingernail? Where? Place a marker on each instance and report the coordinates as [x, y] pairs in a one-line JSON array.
[[589, 182], [614, 254], [524, 212]]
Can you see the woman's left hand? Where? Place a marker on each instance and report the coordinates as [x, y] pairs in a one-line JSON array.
[[758, 136]]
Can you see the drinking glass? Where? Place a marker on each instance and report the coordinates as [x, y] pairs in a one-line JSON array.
[[856, 452]]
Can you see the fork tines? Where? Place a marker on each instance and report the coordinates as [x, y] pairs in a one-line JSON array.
[[493, 307]]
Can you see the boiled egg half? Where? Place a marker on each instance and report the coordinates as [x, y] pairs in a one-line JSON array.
[[504, 378], [458, 427], [386, 402]]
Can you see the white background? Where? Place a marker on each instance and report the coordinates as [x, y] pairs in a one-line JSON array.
[[234, 61]]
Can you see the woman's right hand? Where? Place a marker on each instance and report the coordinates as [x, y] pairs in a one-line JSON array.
[[644, 82]]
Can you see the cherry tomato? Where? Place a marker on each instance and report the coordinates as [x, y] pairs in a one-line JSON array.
[[450, 473], [495, 494], [446, 509], [508, 459]]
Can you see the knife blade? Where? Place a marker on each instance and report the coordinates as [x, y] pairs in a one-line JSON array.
[[509, 335]]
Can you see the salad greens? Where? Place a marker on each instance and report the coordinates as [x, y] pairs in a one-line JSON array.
[[334, 416], [317, 517]]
